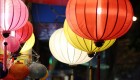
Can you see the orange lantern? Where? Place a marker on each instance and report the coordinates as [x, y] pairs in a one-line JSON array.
[[19, 70], [99, 20]]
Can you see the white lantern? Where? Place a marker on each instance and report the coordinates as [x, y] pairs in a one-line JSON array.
[[64, 52]]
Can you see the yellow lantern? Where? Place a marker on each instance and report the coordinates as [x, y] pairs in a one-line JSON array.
[[28, 44], [82, 43]]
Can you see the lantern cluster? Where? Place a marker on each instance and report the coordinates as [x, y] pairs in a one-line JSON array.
[[15, 29], [90, 26]]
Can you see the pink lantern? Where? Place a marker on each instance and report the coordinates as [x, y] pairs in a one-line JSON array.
[[12, 44], [24, 33], [13, 14]]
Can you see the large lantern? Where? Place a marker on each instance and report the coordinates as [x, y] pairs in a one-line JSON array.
[[28, 44], [64, 51], [37, 70], [82, 43], [19, 71], [24, 33], [99, 20], [13, 14]]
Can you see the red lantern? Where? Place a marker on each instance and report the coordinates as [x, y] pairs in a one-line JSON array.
[[99, 20], [13, 14], [24, 33], [19, 70]]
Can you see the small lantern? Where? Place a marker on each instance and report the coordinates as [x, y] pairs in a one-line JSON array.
[[37, 70], [19, 71]]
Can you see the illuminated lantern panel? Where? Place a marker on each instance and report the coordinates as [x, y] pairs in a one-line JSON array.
[[99, 20], [24, 33], [28, 44], [13, 14], [84, 44], [64, 51]]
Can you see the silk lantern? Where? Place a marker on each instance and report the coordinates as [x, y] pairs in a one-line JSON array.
[[28, 44], [9, 44], [99, 20], [24, 33], [64, 52], [37, 70], [12, 44], [13, 14], [82, 43], [19, 71]]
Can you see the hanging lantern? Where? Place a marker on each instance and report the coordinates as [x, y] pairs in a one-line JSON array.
[[2, 72], [12, 44], [24, 33], [99, 20], [82, 43], [65, 52], [37, 70], [14, 14], [19, 71], [28, 44]]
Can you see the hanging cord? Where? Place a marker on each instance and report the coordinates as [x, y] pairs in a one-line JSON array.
[[5, 57], [98, 66], [72, 71], [91, 68]]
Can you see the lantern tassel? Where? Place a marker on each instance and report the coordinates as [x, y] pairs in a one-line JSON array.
[[98, 66], [5, 56]]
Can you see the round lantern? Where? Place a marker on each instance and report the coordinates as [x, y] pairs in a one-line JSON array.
[[28, 44], [3, 73], [64, 51], [99, 20], [37, 70], [19, 71], [82, 43], [12, 44], [14, 14], [24, 33]]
